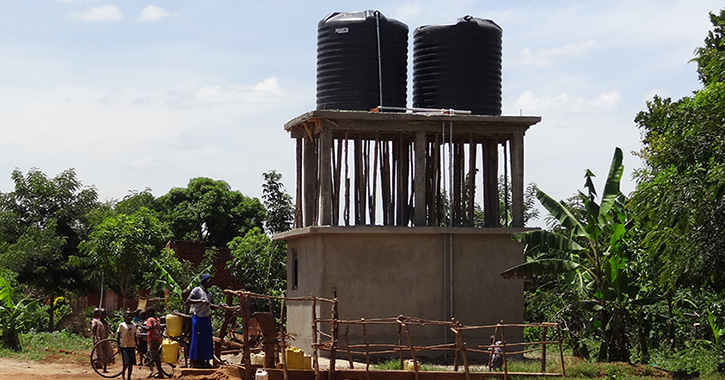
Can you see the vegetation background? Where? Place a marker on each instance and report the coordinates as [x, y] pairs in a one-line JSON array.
[[634, 278]]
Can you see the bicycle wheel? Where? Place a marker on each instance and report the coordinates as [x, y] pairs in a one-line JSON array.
[[106, 358]]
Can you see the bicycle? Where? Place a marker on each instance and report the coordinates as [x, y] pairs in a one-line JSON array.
[[114, 363]]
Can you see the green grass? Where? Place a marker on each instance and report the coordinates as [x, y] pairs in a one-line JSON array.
[[55, 346], [575, 369]]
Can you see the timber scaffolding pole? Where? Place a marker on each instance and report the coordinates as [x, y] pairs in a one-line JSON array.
[[401, 169], [325, 337]]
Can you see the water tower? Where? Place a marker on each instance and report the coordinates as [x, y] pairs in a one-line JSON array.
[[398, 211]]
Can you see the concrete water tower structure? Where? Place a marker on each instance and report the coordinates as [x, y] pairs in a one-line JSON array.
[[388, 208]]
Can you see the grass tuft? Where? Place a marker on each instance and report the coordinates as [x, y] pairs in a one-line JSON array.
[[59, 346]]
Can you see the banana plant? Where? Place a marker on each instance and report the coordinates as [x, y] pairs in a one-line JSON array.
[[589, 251], [13, 315]]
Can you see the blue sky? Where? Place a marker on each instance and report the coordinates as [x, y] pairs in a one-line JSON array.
[[137, 94]]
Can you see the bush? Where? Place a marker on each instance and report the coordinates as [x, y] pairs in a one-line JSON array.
[[43, 345], [697, 356]]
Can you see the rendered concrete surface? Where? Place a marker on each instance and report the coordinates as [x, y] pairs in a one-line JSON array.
[[433, 273]]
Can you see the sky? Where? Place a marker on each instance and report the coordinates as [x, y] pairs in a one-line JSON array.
[[138, 94]]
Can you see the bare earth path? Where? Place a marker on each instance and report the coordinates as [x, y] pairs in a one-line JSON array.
[[12, 369]]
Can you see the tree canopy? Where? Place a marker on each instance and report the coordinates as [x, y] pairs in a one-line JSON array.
[[42, 222], [680, 194], [121, 248], [209, 210]]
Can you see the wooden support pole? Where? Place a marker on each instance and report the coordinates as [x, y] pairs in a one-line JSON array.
[[435, 205], [347, 346], [228, 316], [244, 302], [413, 354], [309, 180], [517, 178], [299, 221], [471, 190], [373, 205], [407, 195], [458, 180], [400, 344], [367, 352], [385, 183], [326, 176], [503, 352], [283, 343], [347, 184], [543, 350], [398, 163], [359, 183], [336, 194], [421, 142], [461, 347], [561, 352], [316, 348], [490, 184], [333, 337]]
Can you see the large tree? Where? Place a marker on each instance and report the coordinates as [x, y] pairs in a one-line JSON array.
[[280, 210], [211, 211], [680, 197], [41, 224], [122, 247]]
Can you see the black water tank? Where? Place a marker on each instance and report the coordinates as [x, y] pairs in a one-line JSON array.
[[347, 61], [458, 66]]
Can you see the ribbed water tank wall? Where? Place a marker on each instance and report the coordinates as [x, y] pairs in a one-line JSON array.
[[347, 61], [458, 66]]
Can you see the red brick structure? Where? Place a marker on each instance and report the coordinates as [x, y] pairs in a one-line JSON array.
[[193, 251]]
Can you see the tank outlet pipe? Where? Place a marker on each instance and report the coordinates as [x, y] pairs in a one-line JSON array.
[[442, 111]]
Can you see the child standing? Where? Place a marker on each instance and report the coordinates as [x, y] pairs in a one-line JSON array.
[[154, 339], [101, 330], [126, 338]]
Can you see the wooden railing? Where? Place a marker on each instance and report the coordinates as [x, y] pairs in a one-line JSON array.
[[326, 337]]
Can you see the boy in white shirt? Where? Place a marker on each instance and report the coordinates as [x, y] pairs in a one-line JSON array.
[[126, 337]]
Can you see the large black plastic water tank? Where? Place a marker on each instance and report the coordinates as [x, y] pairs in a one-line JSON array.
[[347, 61], [458, 66]]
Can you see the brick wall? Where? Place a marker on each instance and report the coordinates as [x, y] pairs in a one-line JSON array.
[[193, 251]]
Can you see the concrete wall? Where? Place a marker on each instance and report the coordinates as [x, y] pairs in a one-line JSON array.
[[391, 271]]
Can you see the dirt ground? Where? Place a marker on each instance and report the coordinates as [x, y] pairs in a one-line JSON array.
[[29, 370], [26, 370]]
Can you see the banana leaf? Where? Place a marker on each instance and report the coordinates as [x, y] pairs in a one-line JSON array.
[[546, 240], [537, 267], [561, 213]]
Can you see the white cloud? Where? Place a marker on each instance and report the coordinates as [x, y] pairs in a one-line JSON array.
[[265, 92], [101, 13], [544, 58], [153, 13], [148, 163], [532, 104]]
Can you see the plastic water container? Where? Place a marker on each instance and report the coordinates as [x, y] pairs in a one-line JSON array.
[[258, 359], [307, 362], [169, 351], [294, 357], [173, 325], [409, 365], [261, 374]]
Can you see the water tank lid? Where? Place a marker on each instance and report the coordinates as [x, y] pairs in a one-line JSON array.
[[465, 20], [358, 16]]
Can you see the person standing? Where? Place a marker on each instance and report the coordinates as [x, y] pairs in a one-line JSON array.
[[202, 347], [154, 339], [126, 338], [101, 330]]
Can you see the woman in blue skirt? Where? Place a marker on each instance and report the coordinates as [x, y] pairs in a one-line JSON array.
[[202, 347]]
